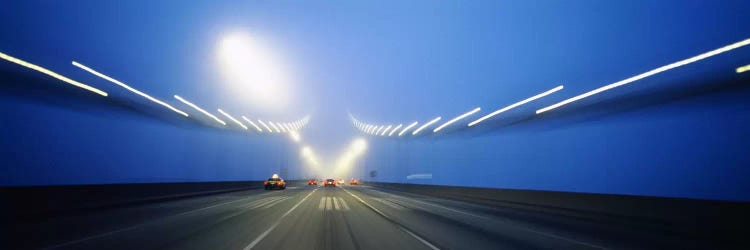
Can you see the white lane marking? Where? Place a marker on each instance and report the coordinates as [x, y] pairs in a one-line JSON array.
[[343, 203], [276, 202], [275, 224], [328, 203], [322, 203], [139, 225], [427, 243], [336, 203]]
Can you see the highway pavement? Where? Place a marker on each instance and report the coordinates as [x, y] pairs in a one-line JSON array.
[[313, 217]]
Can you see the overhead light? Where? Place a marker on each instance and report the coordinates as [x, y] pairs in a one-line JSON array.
[[129, 88], [51, 73], [281, 127], [743, 69], [295, 136], [274, 127], [386, 130], [425, 125], [252, 123], [200, 109], [509, 107], [647, 74], [394, 129], [264, 125], [456, 119], [232, 118], [407, 128]]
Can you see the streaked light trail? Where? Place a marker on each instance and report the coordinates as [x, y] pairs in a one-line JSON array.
[[647, 74], [128, 88], [743, 69], [200, 109], [509, 107], [394, 129], [456, 119], [274, 127], [232, 118], [52, 74], [407, 128], [252, 123], [378, 130], [264, 125], [425, 125], [386, 130]]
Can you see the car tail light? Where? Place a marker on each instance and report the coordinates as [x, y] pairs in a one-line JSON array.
[[265, 182]]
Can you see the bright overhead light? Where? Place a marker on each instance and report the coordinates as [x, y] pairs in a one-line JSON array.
[[647, 74], [509, 107], [407, 128], [359, 145], [386, 130], [232, 118], [369, 128], [274, 127], [129, 88], [51, 73], [200, 109], [281, 126], [456, 119], [743, 69], [252, 123], [264, 125], [425, 125], [295, 136], [394, 129]]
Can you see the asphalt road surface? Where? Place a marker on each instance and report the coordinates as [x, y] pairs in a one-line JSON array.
[[312, 217]]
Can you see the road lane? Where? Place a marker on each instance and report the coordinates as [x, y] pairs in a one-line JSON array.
[[312, 217]]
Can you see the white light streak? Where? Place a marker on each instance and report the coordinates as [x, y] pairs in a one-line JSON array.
[[281, 126], [394, 129], [274, 127], [509, 107], [232, 118], [425, 125], [386, 130], [264, 125], [407, 128], [52, 74], [129, 88], [647, 74], [743, 69], [456, 119], [200, 109], [378, 130], [252, 123]]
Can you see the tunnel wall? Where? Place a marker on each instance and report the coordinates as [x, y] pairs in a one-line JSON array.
[[661, 137]]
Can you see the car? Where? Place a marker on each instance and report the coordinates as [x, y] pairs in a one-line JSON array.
[[274, 183], [341, 181], [354, 182], [329, 183], [312, 182]]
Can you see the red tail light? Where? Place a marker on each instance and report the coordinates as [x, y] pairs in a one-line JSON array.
[[265, 182]]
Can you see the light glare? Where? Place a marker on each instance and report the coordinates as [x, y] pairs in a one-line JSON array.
[[394, 129], [252, 123], [407, 128]]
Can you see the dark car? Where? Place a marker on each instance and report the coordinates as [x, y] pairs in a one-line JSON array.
[[274, 183], [329, 183]]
